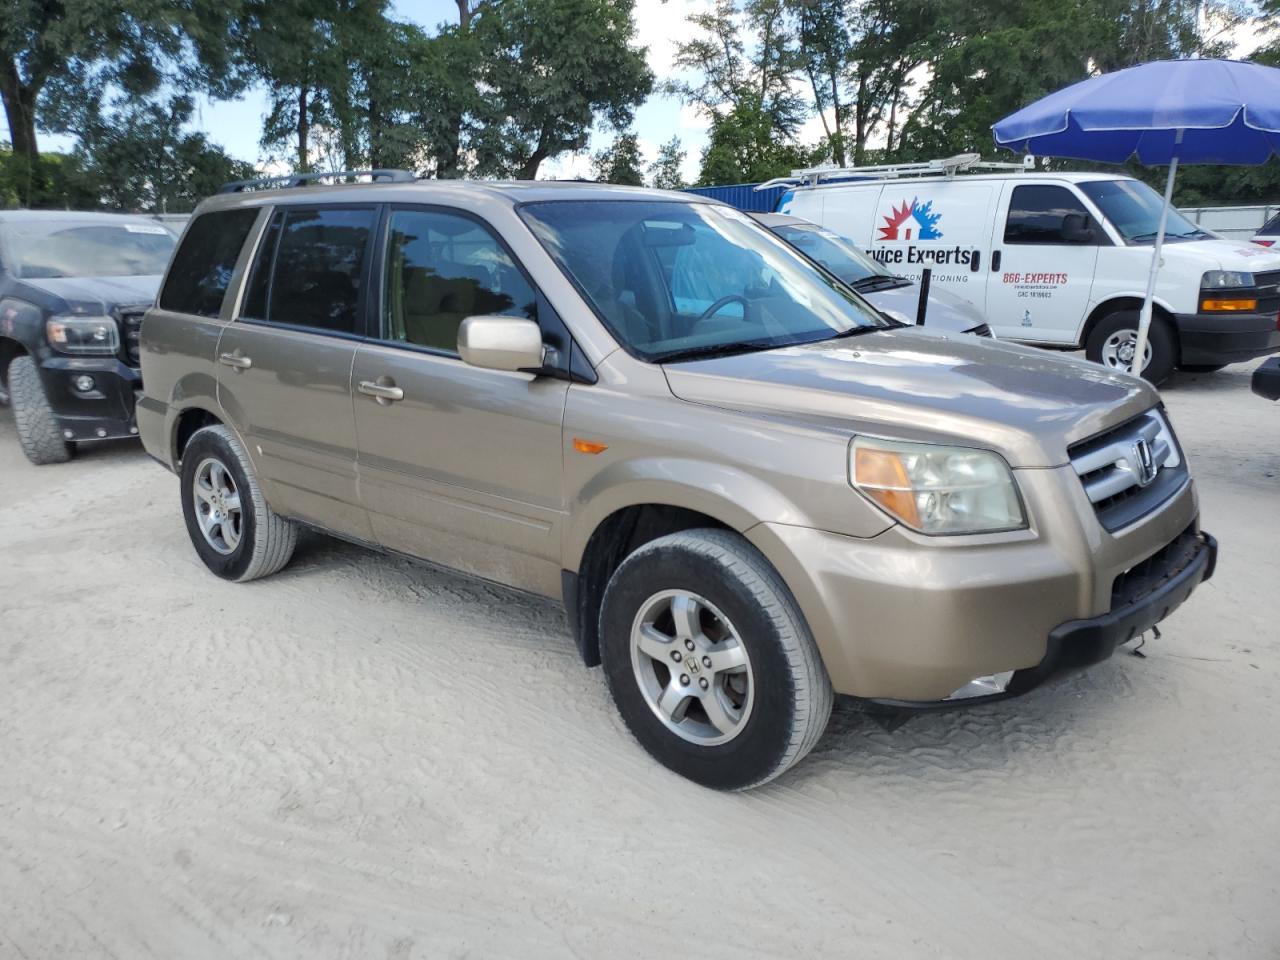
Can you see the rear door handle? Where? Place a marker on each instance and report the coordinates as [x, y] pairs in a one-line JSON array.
[[235, 360], [384, 390], [995, 260]]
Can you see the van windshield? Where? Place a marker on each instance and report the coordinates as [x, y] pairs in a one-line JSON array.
[[838, 255], [681, 281], [1133, 209]]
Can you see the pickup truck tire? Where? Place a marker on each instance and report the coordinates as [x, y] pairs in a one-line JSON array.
[[237, 535], [38, 431], [1105, 344], [710, 662]]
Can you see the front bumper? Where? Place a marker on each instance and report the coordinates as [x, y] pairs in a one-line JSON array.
[[104, 412], [910, 619], [1214, 338], [1266, 379]]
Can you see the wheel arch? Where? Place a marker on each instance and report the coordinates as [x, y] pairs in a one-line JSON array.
[[1115, 305], [9, 349], [185, 424]]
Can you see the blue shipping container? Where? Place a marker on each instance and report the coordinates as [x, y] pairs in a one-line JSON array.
[[743, 196]]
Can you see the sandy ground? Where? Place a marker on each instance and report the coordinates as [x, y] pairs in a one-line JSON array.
[[363, 757]]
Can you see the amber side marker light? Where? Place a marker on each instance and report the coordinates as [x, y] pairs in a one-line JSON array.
[[589, 446], [1219, 305], [883, 476]]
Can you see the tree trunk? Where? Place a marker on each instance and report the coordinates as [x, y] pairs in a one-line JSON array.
[[19, 111], [839, 118], [304, 130]]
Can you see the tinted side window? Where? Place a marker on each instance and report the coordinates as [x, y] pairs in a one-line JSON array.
[[1271, 226], [1038, 214], [314, 260], [203, 263], [442, 268]]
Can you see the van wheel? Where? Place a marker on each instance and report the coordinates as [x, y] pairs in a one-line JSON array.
[[38, 431], [710, 662], [237, 535], [1114, 339]]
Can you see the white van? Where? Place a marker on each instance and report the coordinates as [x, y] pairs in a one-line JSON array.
[[1058, 259]]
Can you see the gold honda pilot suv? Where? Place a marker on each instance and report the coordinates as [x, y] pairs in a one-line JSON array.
[[749, 489]]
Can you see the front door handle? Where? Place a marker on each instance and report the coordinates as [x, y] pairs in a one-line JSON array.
[[384, 390], [995, 260], [235, 360]]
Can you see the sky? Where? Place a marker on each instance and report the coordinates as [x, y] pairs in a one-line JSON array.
[[237, 124]]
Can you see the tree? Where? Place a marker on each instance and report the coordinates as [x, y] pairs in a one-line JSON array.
[[548, 69], [665, 172], [619, 162], [743, 147]]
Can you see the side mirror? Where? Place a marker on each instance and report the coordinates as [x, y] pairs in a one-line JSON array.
[[1077, 229], [501, 343]]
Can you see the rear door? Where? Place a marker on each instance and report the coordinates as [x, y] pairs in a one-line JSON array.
[[848, 211], [940, 225], [464, 466], [1045, 257], [284, 366]]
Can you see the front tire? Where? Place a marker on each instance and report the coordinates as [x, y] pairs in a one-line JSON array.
[[710, 662], [38, 432], [1113, 340], [237, 535]]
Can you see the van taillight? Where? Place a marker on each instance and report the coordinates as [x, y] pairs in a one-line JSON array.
[[1264, 243]]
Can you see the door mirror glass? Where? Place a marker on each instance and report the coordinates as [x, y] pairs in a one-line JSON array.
[[1076, 228], [501, 343]]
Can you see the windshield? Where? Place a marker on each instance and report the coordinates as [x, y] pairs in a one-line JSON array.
[[834, 252], [675, 280], [1272, 226], [43, 250], [1134, 210]]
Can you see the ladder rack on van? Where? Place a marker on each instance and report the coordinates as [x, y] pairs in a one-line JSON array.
[[308, 179], [948, 167]]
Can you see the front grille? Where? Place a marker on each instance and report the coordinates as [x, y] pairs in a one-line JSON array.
[[1268, 295], [1129, 470], [1152, 573], [130, 332], [981, 330]]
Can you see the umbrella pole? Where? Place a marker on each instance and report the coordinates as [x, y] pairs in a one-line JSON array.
[[1144, 318]]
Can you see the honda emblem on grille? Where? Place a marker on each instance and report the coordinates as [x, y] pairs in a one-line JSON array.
[[1144, 462]]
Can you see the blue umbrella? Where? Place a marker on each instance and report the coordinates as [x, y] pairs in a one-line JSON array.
[[1166, 112]]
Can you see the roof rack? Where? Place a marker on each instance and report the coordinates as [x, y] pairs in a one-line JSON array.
[[302, 179], [948, 167]]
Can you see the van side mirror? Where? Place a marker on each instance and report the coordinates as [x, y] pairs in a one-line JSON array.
[[501, 343], [1076, 228]]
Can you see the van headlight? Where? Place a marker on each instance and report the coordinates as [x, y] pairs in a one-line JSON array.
[[1225, 280], [937, 489], [85, 336]]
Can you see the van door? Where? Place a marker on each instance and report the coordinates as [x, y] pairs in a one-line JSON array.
[[1042, 263], [846, 210], [284, 365], [942, 225], [458, 464]]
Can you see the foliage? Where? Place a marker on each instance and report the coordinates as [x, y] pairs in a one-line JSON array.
[[665, 172], [50, 181], [743, 148], [620, 162]]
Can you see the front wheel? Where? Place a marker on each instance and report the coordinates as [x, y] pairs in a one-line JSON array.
[[1114, 340], [38, 431], [235, 532], [709, 661]]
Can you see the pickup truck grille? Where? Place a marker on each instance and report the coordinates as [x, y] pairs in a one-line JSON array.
[[1129, 470], [130, 331]]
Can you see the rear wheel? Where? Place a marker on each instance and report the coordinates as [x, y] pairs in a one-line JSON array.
[[237, 535], [1114, 340], [38, 430], [710, 662]]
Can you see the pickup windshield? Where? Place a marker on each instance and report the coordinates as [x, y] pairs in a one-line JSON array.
[[1133, 209], [678, 281], [41, 250]]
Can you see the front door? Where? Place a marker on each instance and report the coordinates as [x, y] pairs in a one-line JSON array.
[[458, 465], [284, 366], [1042, 272]]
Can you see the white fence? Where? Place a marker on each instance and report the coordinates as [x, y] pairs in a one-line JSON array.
[[1237, 223]]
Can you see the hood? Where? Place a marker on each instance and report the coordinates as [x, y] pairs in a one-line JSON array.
[[946, 311], [96, 295], [1027, 404], [1215, 254]]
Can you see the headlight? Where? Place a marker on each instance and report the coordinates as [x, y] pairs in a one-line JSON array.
[[936, 489], [83, 335], [1221, 279]]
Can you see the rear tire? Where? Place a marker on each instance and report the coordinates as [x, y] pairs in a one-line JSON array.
[[38, 431], [237, 535], [1117, 331], [710, 662]]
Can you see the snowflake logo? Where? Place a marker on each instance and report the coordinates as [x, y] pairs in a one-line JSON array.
[[925, 227]]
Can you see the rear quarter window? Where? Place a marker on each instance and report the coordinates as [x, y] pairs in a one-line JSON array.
[[204, 261]]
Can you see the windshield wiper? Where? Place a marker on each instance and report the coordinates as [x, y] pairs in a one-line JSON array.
[[875, 282], [855, 331], [711, 350]]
